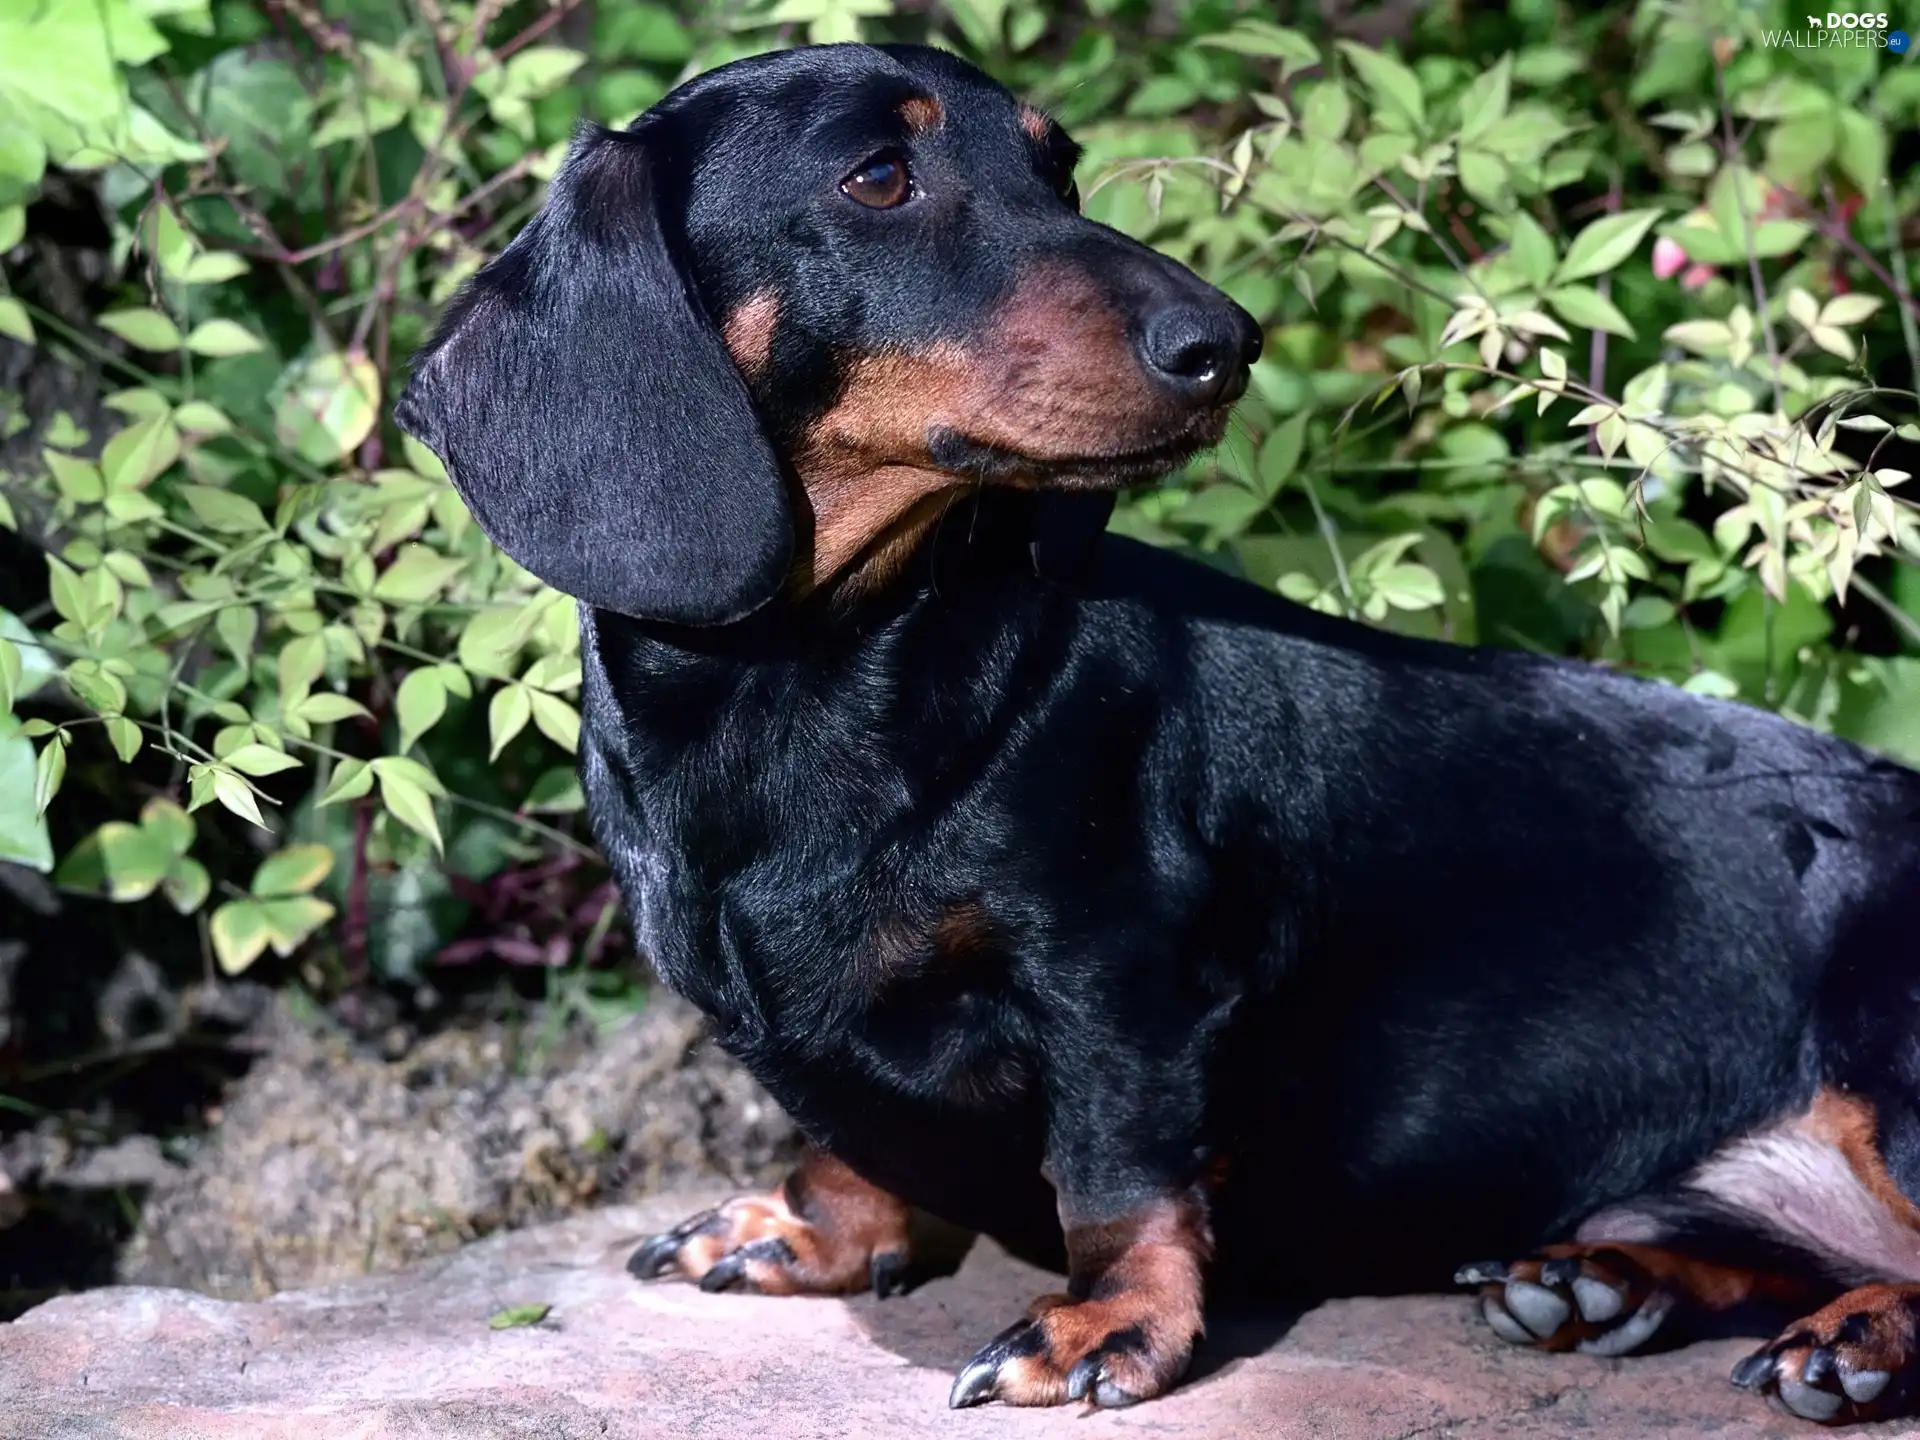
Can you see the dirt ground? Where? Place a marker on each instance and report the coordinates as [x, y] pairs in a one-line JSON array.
[[329, 1160]]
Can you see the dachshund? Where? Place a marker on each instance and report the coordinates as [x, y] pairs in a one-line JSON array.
[[1088, 896]]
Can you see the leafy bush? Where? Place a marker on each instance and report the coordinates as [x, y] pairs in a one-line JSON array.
[[1587, 332]]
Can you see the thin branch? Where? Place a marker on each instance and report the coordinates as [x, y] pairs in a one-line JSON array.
[[1732, 157]]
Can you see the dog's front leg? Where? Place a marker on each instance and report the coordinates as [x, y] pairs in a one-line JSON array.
[[1122, 1155]]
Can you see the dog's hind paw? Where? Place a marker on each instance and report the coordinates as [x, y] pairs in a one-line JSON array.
[[1858, 1359], [1597, 1301]]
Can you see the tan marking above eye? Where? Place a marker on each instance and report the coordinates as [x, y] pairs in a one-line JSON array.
[[1035, 122], [922, 113], [880, 184], [748, 331]]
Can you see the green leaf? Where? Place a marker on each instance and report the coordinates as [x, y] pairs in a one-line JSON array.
[[1797, 148], [238, 930], [215, 268], [223, 337], [1280, 454], [64, 587], [417, 574], [163, 237], [541, 69], [507, 715], [143, 328], [75, 479], [1534, 255], [1393, 85], [139, 453], [291, 919], [10, 672], [328, 708], [557, 720], [1605, 243], [1486, 178], [516, 1317], [233, 792], [1258, 37], [1485, 101], [557, 792], [37, 664], [24, 839], [1408, 586], [1583, 305], [1545, 65], [169, 823], [328, 407], [223, 511], [1326, 112], [352, 780], [408, 803], [1862, 151], [1851, 309], [197, 417], [124, 862], [302, 661], [492, 637], [419, 704], [238, 626], [124, 735], [292, 871], [257, 760], [101, 690], [49, 770], [14, 320], [187, 885]]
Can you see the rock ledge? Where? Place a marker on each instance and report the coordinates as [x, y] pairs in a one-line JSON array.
[[410, 1355]]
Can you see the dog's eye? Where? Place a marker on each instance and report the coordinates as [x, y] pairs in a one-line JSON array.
[[880, 184]]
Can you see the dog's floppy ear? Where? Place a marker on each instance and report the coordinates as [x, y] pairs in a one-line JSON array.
[[590, 416]]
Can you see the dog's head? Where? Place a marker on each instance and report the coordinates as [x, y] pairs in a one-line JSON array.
[[793, 311]]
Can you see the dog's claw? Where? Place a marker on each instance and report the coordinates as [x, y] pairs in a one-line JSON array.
[[657, 1255], [1560, 1273], [654, 1257], [1481, 1272], [726, 1272], [1753, 1372], [975, 1383], [886, 1274], [1819, 1367], [1082, 1377]]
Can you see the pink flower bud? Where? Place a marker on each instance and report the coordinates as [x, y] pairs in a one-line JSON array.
[[1668, 258], [1696, 276]]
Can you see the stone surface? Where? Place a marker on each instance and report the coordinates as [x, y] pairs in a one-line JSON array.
[[410, 1356]]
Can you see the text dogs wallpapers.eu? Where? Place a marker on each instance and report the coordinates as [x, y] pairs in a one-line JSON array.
[[1038, 873]]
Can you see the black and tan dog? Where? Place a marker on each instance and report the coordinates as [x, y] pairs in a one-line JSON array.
[[1084, 896]]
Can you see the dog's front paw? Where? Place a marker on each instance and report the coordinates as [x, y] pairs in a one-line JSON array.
[[1858, 1359], [823, 1232], [1110, 1352]]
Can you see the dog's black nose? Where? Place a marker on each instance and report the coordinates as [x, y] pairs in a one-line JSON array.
[[1201, 351]]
